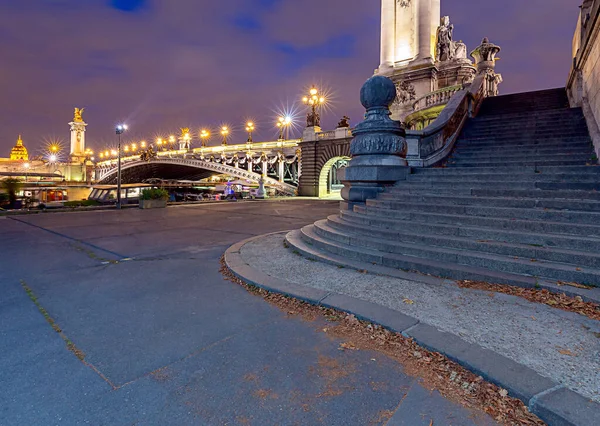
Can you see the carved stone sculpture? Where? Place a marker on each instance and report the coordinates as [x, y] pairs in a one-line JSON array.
[[445, 45], [405, 92], [378, 148], [344, 122]]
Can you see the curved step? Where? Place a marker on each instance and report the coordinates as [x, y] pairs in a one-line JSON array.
[[501, 263], [479, 233], [529, 251]]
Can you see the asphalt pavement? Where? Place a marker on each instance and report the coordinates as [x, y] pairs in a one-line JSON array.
[[167, 340]]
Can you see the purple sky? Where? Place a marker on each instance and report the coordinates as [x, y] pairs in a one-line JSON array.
[[164, 64]]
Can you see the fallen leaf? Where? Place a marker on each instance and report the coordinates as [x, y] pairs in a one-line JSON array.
[[533, 318], [348, 345], [409, 302], [503, 393], [566, 352]]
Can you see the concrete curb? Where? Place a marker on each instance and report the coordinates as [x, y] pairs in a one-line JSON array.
[[550, 401]]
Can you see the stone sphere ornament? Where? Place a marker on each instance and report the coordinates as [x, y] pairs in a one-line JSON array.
[[377, 92]]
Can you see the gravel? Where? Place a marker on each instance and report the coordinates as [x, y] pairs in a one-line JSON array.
[[530, 333]]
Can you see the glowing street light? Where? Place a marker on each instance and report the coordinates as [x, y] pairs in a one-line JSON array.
[[313, 101], [249, 129], [283, 123], [160, 142], [143, 144], [119, 131], [204, 135], [224, 133]]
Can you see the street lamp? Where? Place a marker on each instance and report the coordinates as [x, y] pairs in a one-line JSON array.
[[159, 143], [204, 135], [119, 130], [224, 133], [26, 166], [249, 129], [313, 100], [282, 124]]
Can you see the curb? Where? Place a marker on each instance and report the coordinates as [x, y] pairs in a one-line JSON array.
[[550, 401]]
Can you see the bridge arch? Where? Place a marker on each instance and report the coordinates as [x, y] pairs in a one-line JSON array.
[[185, 168], [327, 177], [318, 160]]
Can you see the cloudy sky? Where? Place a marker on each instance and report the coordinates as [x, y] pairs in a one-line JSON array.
[[164, 64]]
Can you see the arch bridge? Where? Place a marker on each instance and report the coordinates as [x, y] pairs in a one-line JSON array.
[[291, 167]]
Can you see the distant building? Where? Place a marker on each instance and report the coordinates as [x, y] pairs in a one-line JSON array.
[[19, 152]]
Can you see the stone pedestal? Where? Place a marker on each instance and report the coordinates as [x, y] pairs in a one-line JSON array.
[[261, 193], [378, 148], [310, 133]]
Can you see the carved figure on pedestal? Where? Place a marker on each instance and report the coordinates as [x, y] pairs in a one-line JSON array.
[[344, 122], [405, 92], [313, 119], [77, 118], [445, 45], [460, 51]]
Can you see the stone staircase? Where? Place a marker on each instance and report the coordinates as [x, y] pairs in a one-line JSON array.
[[517, 202]]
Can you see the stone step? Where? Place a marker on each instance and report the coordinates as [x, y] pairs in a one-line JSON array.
[[452, 196], [457, 171], [478, 195], [459, 159], [522, 163], [523, 225], [526, 212], [528, 251], [462, 195], [513, 132], [465, 185], [495, 140], [482, 144], [456, 264], [565, 242], [498, 262], [466, 151], [499, 177]]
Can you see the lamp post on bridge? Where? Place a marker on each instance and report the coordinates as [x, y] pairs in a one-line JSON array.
[[313, 100], [249, 129], [283, 123], [204, 135], [224, 133], [119, 130]]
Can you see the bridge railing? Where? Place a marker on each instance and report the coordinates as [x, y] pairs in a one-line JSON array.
[[429, 146], [438, 97]]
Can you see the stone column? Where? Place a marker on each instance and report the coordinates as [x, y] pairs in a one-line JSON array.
[[388, 35], [281, 168], [378, 149]]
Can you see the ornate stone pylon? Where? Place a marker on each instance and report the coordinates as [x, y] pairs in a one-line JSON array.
[[378, 148], [78, 134]]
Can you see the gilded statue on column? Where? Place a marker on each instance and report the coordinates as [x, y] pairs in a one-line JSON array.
[[78, 118]]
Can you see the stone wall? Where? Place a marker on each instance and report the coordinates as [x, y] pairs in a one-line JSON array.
[[583, 85], [317, 155]]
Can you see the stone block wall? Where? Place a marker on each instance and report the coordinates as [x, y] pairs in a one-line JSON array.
[[583, 85]]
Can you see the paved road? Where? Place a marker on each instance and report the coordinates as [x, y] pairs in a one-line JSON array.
[[167, 340]]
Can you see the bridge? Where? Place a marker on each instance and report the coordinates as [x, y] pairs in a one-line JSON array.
[[304, 166]]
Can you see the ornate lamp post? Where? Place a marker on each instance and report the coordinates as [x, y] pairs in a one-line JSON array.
[[160, 143], [283, 123], [249, 129], [204, 135], [313, 100], [224, 133], [26, 166], [119, 131], [171, 141]]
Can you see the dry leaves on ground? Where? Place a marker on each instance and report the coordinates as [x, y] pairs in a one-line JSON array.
[[435, 371], [560, 301]]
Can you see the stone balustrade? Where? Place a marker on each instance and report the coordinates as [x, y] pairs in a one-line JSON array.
[[439, 97]]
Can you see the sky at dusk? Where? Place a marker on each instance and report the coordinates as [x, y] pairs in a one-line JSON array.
[[164, 64]]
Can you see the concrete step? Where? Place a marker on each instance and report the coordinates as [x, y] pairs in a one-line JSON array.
[[502, 263], [527, 212], [520, 225], [464, 196], [551, 170], [526, 251], [478, 266], [565, 242]]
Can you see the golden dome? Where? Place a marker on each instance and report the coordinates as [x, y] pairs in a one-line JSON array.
[[19, 152]]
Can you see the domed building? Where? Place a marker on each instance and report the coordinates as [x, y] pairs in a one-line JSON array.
[[19, 152]]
